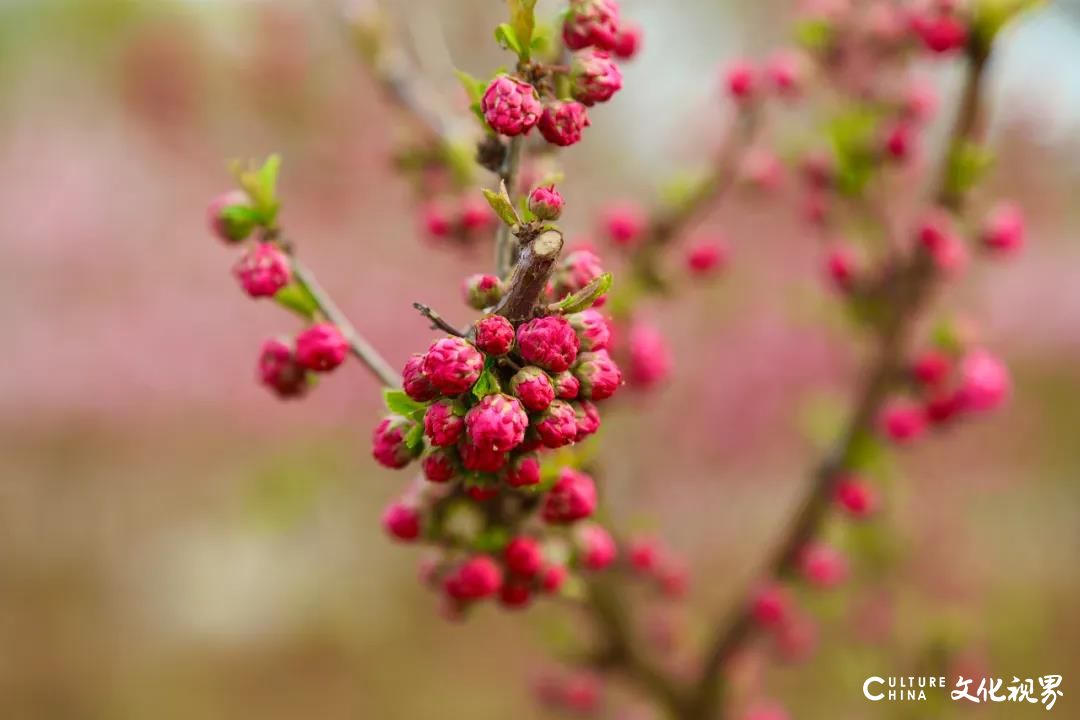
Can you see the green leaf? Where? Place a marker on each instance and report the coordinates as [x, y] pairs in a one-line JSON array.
[[414, 440], [487, 383], [492, 540], [399, 403], [585, 297], [506, 36], [474, 87], [815, 35], [523, 22], [500, 203], [968, 163], [260, 184], [853, 136], [296, 297]]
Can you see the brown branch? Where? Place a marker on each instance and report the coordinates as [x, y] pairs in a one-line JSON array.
[[504, 240], [437, 320], [535, 263], [909, 293]]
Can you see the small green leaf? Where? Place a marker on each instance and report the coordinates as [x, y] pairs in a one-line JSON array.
[[474, 87], [260, 184], [585, 297], [968, 163], [506, 36], [399, 403], [523, 22], [414, 440], [296, 297], [486, 384], [500, 203]]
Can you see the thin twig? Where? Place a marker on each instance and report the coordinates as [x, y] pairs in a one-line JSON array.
[[360, 347], [437, 320]]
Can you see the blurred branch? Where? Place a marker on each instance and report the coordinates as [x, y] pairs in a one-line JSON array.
[[371, 34], [437, 320], [706, 196], [504, 240], [910, 290]]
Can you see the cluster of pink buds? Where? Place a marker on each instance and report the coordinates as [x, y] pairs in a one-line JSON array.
[[478, 412], [514, 104], [943, 387], [265, 269], [658, 564], [458, 219]]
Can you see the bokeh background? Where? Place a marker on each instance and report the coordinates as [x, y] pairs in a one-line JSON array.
[[175, 543]]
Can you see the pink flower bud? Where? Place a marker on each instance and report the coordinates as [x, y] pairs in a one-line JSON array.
[[497, 423], [475, 214], [533, 387], [453, 365], [515, 595], [628, 42], [984, 381], [476, 578], [546, 203], [227, 224], [481, 291], [510, 106], [566, 385], [623, 223], [823, 565], [401, 521], [587, 418], [563, 122], [594, 76], [771, 605], [599, 375], [931, 367], [442, 425], [263, 270], [480, 493], [494, 335], [439, 465], [706, 257], [436, 220], [940, 33], [523, 557], [596, 546], [481, 459], [740, 80], [415, 383], [1004, 229], [840, 265], [388, 442], [321, 347], [571, 498], [920, 101], [857, 499], [650, 359], [592, 23], [762, 169], [644, 554], [557, 425], [786, 71], [279, 370], [592, 329], [523, 471], [549, 342], [577, 270], [552, 578], [899, 142], [902, 421]]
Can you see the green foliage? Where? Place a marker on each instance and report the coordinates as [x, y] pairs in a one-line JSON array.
[[585, 297], [296, 297], [990, 16], [501, 204], [399, 403], [968, 164], [523, 22], [507, 37], [474, 89], [488, 382], [814, 35], [852, 135], [260, 184]]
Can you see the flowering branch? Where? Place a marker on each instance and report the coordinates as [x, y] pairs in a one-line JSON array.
[[912, 284]]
